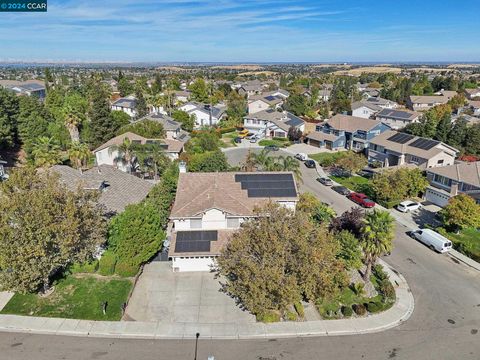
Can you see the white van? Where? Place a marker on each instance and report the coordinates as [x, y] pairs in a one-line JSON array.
[[433, 240]]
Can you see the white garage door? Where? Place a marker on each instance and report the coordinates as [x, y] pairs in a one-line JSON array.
[[180, 264], [436, 197]]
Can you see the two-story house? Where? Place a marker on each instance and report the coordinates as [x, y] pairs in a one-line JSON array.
[[172, 128], [472, 94], [346, 132], [426, 102], [449, 181], [108, 154], [270, 100], [30, 88], [396, 118], [393, 148], [272, 123], [209, 207], [205, 114], [127, 105]]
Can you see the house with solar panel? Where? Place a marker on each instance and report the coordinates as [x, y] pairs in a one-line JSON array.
[[30, 88], [367, 108], [397, 118], [127, 105], [210, 207], [271, 100], [393, 148], [346, 132], [272, 123]]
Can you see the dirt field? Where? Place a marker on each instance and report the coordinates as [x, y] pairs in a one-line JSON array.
[[369, 69], [267, 73], [248, 67]]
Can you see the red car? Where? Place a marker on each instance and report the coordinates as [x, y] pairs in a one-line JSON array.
[[361, 199]]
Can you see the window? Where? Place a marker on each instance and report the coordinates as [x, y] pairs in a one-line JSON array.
[[442, 180], [195, 223], [233, 223], [440, 161], [414, 159]]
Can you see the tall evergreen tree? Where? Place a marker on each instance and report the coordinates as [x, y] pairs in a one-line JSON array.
[[102, 125], [141, 105]]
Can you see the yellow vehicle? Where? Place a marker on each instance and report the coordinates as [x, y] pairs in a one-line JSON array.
[[242, 134]]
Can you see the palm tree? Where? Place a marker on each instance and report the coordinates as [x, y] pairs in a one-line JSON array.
[[72, 120], [79, 154], [125, 154], [260, 159], [288, 163], [377, 237], [46, 152], [150, 157]]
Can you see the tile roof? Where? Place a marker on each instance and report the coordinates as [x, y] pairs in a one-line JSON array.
[[321, 136], [223, 236], [466, 172], [168, 123], [362, 103], [382, 140], [428, 99], [198, 192], [117, 188], [351, 123], [172, 145], [398, 114], [126, 102]]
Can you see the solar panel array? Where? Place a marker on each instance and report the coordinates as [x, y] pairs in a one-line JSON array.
[[401, 138], [267, 185], [270, 98], [424, 144], [195, 241]]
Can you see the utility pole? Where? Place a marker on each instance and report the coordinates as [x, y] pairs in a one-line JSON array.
[[197, 335]]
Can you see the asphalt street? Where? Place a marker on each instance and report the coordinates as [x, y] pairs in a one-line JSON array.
[[444, 325]]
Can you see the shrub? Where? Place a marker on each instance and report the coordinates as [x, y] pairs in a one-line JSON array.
[[87, 267], [125, 270], [379, 273], [347, 311], [291, 316], [386, 289], [299, 309], [359, 309], [358, 288], [280, 139], [269, 317], [374, 307], [107, 262]]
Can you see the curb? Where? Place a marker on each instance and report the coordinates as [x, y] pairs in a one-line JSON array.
[[396, 315]]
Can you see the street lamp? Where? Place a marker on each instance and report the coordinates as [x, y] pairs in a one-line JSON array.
[[197, 335]]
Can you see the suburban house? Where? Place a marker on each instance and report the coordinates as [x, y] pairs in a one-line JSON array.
[[448, 181], [346, 132], [181, 96], [209, 207], [426, 102], [205, 115], [393, 148], [272, 123], [270, 100], [106, 154], [475, 106], [172, 128], [396, 118], [324, 92], [127, 105], [368, 107], [117, 188], [29, 88], [472, 93], [250, 88]]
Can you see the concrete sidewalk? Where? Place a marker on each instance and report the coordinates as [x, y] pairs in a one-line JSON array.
[[400, 312]]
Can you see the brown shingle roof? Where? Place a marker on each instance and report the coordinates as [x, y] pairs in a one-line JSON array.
[[351, 123], [198, 192], [173, 145], [118, 189], [468, 173]]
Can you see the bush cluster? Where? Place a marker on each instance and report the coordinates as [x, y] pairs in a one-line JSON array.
[[359, 309], [347, 311], [269, 317], [373, 307], [88, 267], [107, 263]]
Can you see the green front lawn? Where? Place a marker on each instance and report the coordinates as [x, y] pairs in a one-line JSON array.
[[467, 242], [355, 183], [327, 159], [276, 141], [226, 140], [75, 297]]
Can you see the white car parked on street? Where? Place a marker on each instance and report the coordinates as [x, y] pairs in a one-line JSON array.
[[408, 206]]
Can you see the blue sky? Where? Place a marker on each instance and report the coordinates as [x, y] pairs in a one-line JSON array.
[[245, 31]]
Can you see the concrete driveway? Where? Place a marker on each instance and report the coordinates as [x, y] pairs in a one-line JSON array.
[[190, 297]]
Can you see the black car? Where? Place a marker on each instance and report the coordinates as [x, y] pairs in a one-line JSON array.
[[237, 140], [342, 190], [310, 163], [272, 147]]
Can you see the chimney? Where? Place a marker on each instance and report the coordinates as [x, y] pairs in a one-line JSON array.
[[182, 167]]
